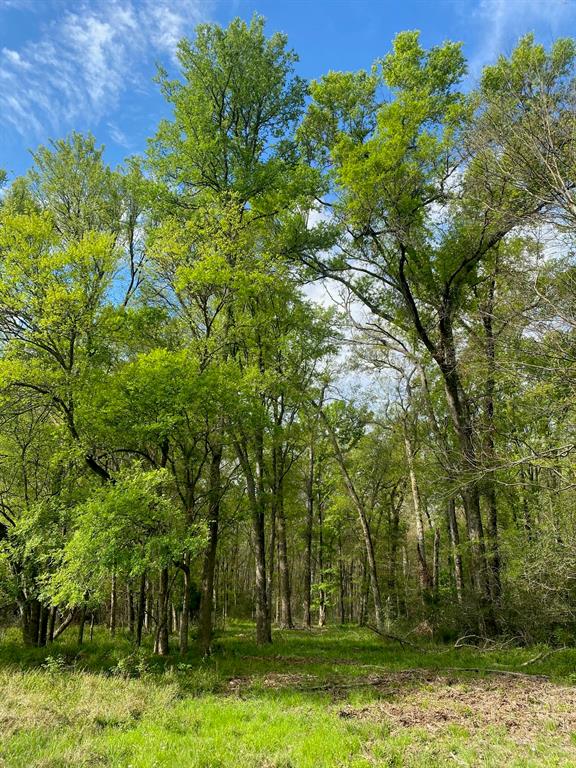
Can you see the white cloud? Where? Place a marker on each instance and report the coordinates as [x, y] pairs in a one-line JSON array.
[[118, 136], [86, 58], [14, 58], [15, 4], [502, 22]]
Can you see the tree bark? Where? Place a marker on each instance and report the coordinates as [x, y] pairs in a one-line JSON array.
[[436, 564], [308, 539], [284, 572], [394, 542], [489, 484], [141, 609], [341, 584], [263, 635], [64, 625], [470, 490], [82, 624], [161, 645], [255, 492], [43, 629], [131, 611], [185, 614], [270, 565], [207, 597], [456, 552], [321, 590], [30, 609], [51, 624], [113, 606], [424, 576], [148, 618]]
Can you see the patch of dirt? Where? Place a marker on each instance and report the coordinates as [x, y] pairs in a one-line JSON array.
[[523, 707]]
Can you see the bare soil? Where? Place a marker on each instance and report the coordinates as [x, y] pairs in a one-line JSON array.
[[522, 707]]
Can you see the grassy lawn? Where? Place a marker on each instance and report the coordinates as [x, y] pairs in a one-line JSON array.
[[321, 699]]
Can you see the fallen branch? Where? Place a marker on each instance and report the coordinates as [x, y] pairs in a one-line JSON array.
[[461, 644], [398, 639], [480, 670], [542, 655], [487, 644], [418, 673]]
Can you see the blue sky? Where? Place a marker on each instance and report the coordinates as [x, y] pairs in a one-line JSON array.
[[89, 66]]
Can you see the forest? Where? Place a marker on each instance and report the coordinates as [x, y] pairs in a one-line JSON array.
[[302, 370]]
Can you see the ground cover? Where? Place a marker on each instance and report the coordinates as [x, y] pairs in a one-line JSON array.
[[335, 698]]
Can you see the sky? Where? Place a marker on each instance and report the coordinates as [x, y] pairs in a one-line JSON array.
[[89, 65]]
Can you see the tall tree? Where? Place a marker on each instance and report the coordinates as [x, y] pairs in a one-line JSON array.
[[418, 219]]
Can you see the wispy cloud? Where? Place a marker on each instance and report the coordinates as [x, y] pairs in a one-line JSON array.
[[16, 4], [501, 22], [118, 136], [85, 59]]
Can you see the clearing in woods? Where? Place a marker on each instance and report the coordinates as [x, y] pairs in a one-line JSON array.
[[331, 698]]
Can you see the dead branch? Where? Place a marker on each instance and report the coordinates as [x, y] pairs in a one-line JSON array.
[[396, 638], [542, 655]]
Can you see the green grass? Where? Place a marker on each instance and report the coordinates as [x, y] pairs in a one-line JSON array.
[[323, 699]]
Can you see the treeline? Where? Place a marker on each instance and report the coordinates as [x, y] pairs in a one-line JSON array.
[[179, 442]]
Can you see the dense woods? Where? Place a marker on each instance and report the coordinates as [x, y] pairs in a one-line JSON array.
[[187, 436]]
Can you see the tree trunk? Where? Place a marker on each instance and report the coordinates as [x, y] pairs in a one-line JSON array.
[[255, 492], [43, 630], [284, 572], [489, 484], [364, 524], [263, 626], [436, 564], [262, 622], [493, 546], [470, 490], [30, 610], [341, 583], [207, 597], [141, 610], [394, 537], [113, 605], [405, 570], [308, 539], [64, 625], [148, 617], [81, 624], [161, 645], [131, 611], [456, 553], [424, 576], [321, 590], [52, 623], [272, 546], [185, 615]]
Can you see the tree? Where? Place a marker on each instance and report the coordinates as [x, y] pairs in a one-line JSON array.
[[228, 170], [418, 219], [528, 118]]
